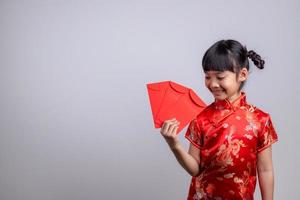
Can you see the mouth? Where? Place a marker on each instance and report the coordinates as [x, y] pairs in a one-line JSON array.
[[217, 92]]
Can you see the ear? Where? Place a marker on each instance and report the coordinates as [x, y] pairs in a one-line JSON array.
[[243, 75]]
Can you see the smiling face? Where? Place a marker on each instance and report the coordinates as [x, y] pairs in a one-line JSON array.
[[225, 85]]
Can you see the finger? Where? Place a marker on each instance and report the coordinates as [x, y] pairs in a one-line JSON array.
[[174, 127], [165, 124], [165, 127], [171, 120], [171, 128], [174, 132], [167, 121], [174, 123]]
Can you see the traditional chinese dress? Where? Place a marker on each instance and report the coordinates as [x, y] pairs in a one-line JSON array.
[[229, 136]]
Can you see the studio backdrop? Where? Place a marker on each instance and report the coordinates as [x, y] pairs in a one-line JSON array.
[[75, 118]]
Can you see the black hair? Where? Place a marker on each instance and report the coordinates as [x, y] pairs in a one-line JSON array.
[[230, 55]]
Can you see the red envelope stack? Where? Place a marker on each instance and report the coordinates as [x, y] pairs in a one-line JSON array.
[[171, 100]]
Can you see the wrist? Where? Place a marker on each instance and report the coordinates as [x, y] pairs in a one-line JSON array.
[[175, 146]]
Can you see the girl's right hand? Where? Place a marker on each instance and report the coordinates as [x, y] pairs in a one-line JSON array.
[[169, 132]]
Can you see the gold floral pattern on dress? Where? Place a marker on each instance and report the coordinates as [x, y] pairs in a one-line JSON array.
[[244, 182]]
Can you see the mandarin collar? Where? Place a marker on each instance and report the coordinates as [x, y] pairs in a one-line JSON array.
[[226, 104]]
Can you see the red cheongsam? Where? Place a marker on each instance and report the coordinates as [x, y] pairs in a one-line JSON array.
[[229, 136]]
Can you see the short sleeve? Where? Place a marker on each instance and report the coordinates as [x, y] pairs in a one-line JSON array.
[[193, 134], [267, 136]]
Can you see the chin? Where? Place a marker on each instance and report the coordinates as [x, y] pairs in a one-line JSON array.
[[220, 97]]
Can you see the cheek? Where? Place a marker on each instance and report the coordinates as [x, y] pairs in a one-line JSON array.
[[230, 84], [226, 84], [206, 82]]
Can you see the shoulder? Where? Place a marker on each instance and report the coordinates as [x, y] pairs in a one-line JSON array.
[[256, 110], [261, 114]]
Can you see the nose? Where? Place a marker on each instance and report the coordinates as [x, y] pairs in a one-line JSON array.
[[213, 84]]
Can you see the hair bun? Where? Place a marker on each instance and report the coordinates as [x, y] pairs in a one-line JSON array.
[[258, 62]]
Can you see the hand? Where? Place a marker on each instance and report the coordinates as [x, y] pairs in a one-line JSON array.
[[169, 132]]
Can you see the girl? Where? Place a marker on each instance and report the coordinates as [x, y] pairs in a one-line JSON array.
[[230, 139]]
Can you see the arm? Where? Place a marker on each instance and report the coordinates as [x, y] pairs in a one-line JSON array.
[[188, 160], [266, 173]]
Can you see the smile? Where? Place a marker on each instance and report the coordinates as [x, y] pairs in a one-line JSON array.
[[217, 91]]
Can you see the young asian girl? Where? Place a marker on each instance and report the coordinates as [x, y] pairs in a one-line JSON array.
[[230, 140]]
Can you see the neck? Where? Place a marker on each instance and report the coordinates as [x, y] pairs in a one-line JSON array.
[[234, 97]]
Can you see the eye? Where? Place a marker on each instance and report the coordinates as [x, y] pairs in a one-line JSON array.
[[220, 77], [207, 77]]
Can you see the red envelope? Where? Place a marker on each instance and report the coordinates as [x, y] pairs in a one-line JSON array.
[[171, 100]]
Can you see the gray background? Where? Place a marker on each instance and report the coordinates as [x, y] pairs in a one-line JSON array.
[[74, 112]]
